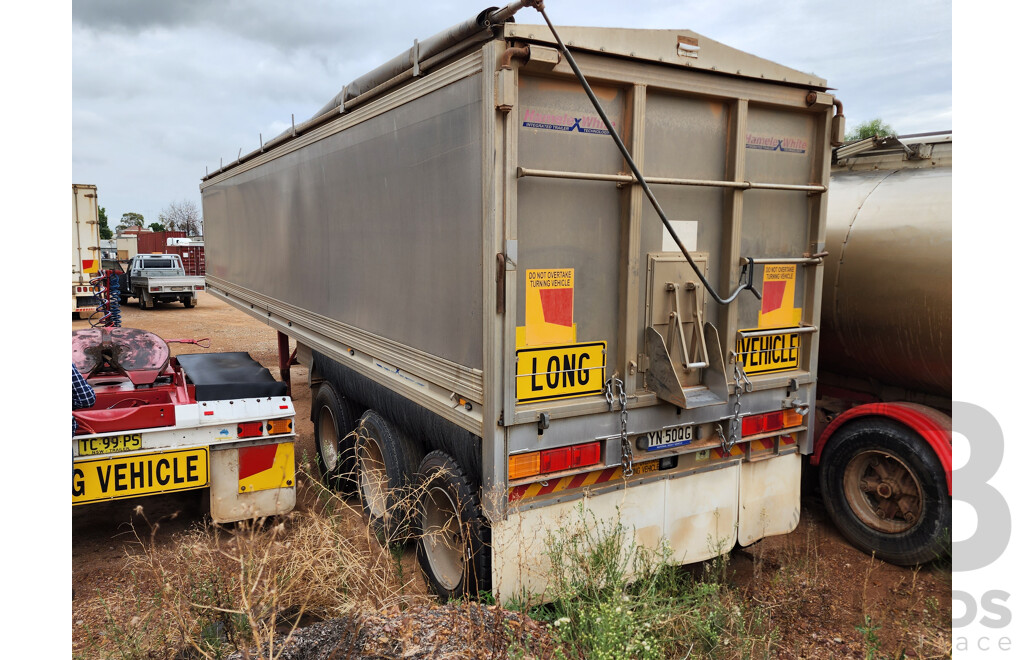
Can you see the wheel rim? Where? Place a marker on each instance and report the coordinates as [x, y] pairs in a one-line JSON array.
[[328, 439], [442, 539], [883, 492], [373, 479]]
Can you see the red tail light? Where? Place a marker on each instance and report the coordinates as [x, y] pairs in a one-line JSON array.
[[769, 422], [588, 454], [753, 425], [773, 421], [553, 460], [250, 429]]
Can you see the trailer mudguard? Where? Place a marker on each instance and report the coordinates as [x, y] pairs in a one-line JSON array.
[[934, 426]]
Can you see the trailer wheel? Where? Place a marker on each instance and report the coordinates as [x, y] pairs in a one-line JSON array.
[[885, 490], [453, 538], [386, 460], [333, 422]]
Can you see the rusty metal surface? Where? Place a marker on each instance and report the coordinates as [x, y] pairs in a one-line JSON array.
[[135, 353]]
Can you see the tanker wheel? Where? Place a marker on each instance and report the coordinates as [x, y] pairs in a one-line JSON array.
[[885, 489], [386, 460], [452, 543], [333, 422]]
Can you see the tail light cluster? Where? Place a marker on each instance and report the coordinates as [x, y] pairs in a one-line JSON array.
[[255, 429], [773, 421], [554, 460]]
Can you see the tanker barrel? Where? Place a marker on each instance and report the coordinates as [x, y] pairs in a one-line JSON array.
[[887, 298]]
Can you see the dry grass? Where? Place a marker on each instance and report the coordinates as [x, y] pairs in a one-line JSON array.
[[222, 588]]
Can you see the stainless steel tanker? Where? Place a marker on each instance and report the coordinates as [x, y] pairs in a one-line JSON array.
[[883, 428]]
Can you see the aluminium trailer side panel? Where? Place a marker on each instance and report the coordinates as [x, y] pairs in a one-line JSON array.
[[377, 226], [371, 239]]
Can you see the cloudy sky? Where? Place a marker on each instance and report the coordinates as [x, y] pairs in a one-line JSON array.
[[163, 90]]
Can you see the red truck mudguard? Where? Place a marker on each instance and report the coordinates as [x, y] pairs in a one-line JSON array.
[[935, 427]]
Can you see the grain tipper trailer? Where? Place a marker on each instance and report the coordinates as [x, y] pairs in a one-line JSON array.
[[474, 274]]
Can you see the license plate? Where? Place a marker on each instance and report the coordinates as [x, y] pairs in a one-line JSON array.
[[121, 477], [110, 444], [673, 436]]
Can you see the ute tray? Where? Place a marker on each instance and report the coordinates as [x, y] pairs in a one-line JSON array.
[[220, 376]]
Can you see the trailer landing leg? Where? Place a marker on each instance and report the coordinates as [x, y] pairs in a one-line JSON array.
[[284, 361]]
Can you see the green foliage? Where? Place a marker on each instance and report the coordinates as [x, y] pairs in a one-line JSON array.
[[867, 129], [870, 633], [105, 232], [132, 219], [615, 599], [156, 226]]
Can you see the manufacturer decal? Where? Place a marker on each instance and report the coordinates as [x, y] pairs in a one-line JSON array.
[[789, 145], [590, 124]]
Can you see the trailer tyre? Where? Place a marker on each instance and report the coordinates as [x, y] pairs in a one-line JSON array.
[[885, 489], [333, 423], [453, 538], [386, 460]]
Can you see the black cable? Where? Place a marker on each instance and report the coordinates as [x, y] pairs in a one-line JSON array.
[[748, 272]]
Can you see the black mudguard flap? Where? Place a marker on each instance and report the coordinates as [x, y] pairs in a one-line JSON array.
[[219, 376]]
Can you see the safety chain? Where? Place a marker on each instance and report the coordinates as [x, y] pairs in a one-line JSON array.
[[612, 387], [743, 384]]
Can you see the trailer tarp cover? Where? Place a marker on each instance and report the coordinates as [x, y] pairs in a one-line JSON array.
[[220, 376]]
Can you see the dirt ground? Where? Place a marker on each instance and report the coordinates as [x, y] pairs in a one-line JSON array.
[[825, 598]]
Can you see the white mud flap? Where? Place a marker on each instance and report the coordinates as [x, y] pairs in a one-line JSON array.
[[261, 484], [769, 497], [695, 514]]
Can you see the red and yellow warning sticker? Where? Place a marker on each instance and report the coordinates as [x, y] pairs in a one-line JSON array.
[[775, 352], [266, 467], [778, 291], [549, 308]]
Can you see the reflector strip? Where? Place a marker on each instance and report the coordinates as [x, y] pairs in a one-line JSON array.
[[735, 451], [565, 483]]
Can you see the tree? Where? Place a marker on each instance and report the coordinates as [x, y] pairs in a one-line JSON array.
[[873, 128], [132, 219], [105, 233], [156, 226], [183, 216]]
